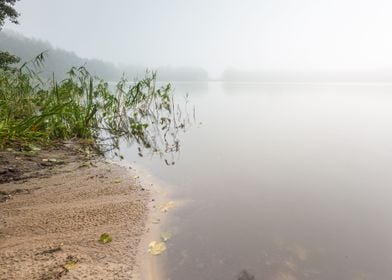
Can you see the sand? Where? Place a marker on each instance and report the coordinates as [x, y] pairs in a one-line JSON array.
[[51, 220]]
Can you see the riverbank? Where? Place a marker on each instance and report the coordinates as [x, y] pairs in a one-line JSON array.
[[56, 203]]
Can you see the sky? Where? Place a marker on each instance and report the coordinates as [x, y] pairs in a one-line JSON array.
[[216, 34]]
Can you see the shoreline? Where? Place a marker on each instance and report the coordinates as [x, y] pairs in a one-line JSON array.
[[151, 267], [51, 218]]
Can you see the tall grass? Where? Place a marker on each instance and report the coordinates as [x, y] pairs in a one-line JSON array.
[[84, 107]]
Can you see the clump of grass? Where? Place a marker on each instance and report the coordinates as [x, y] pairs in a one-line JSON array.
[[85, 107]]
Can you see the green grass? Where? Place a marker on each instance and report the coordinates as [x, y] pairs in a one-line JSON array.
[[84, 107]]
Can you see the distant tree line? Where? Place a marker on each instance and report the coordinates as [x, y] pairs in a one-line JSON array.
[[59, 61], [7, 12]]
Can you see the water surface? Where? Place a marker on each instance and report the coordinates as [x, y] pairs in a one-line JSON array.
[[283, 181]]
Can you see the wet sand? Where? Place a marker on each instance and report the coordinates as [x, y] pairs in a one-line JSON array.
[[51, 220]]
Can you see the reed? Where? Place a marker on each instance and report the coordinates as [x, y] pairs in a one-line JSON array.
[[85, 107]]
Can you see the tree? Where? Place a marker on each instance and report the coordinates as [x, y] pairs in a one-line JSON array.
[[8, 12], [7, 59]]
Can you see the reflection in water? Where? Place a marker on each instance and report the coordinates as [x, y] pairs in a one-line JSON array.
[[161, 126], [164, 131], [289, 182], [181, 120]]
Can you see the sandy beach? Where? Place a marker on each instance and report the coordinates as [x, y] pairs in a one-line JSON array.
[[54, 207]]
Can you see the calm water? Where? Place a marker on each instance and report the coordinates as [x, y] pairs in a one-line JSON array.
[[283, 181]]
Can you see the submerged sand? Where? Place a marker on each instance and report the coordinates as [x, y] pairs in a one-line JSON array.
[[50, 223]]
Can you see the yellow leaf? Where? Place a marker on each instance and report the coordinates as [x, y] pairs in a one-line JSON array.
[[156, 248], [71, 262], [167, 206], [70, 265], [105, 238]]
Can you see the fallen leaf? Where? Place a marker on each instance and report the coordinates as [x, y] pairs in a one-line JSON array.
[[300, 252], [71, 262], [70, 265], [167, 206], [105, 238], [165, 236], [155, 221], [156, 248], [291, 265], [117, 181], [35, 148]]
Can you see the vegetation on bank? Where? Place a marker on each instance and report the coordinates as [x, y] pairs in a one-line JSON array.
[[85, 107], [82, 106]]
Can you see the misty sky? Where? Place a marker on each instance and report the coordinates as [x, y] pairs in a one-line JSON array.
[[215, 34]]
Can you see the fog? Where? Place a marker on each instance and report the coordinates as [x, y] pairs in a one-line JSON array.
[[276, 35], [262, 150]]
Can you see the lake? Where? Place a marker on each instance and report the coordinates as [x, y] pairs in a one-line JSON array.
[[281, 182]]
